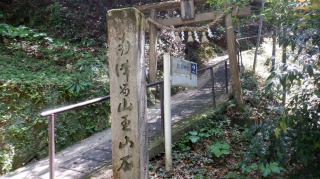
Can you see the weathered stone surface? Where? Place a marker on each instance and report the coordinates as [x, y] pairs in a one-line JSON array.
[[126, 36]]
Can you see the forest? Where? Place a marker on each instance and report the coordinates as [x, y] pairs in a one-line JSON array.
[[54, 53]]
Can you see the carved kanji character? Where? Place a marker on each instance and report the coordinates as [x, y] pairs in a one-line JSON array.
[[124, 90], [124, 46], [125, 123], [125, 68], [124, 106], [125, 165], [128, 141]]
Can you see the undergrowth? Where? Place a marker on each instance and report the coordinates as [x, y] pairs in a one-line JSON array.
[[206, 151], [281, 142], [38, 73]]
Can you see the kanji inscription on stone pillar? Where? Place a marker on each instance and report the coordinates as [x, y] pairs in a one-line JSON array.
[[126, 40]]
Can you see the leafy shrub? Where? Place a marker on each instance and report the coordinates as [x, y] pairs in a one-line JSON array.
[[48, 73], [6, 156], [55, 18], [9, 31], [249, 82], [219, 148], [291, 139]]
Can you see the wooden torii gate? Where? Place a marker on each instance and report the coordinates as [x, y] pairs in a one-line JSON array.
[[188, 16]]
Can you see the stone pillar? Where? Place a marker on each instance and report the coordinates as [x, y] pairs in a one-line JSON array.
[[126, 40]]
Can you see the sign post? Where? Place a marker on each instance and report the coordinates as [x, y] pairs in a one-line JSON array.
[[126, 38], [167, 111], [176, 72]]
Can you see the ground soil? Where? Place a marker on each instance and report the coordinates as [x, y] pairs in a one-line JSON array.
[[197, 163]]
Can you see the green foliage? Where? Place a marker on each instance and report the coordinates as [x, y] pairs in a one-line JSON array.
[[298, 21], [207, 52], [7, 153], [39, 73], [206, 151], [300, 120], [55, 18], [212, 127], [218, 4], [20, 32], [290, 138], [2, 15], [267, 169], [193, 137], [264, 147], [219, 148], [249, 81], [75, 20]]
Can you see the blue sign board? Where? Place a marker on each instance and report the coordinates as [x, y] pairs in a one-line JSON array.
[[194, 68]]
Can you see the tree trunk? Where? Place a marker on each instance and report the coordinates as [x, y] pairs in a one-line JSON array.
[[274, 47], [234, 68], [258, 40], [284, 62]]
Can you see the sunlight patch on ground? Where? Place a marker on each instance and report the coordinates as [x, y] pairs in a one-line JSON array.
[[264, 54]]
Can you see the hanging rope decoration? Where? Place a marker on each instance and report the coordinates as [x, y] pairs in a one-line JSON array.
[[204, 37], [177, 37], [190, 39], [191, 29]]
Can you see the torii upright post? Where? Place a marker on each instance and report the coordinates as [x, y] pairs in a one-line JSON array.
[[153, 48], [126, 41], [234, 66]]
